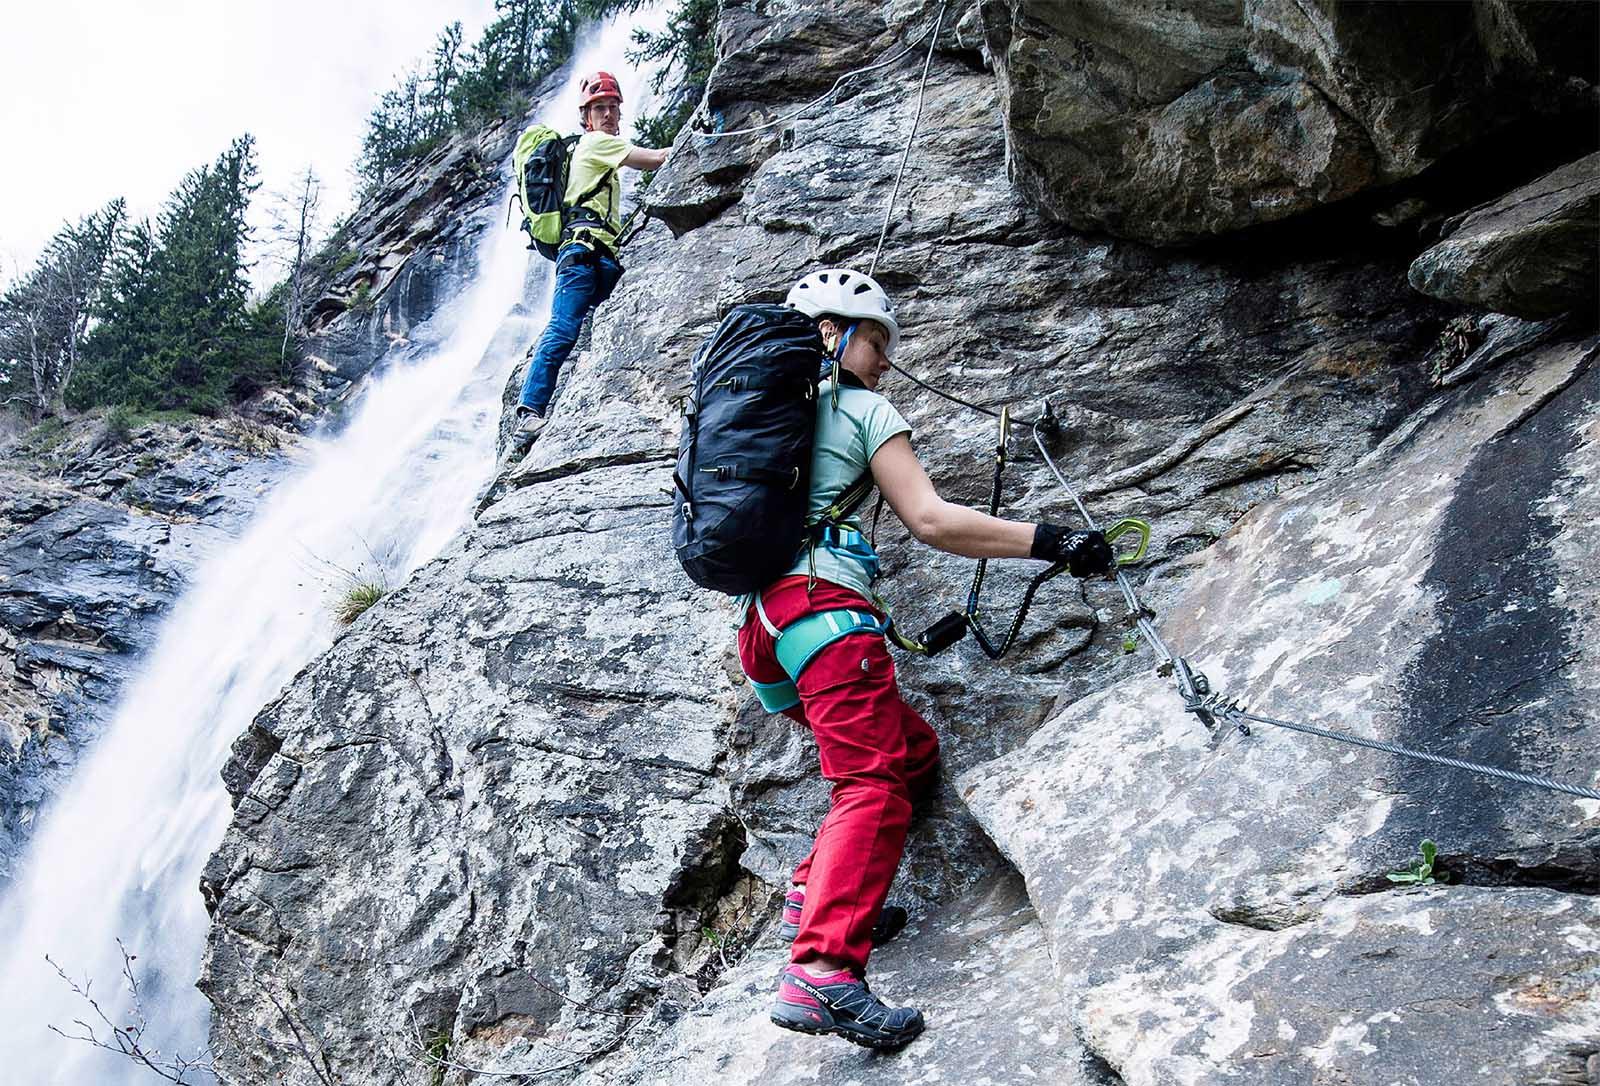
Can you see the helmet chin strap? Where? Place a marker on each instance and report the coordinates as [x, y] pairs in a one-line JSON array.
[[838, 356], [844, 341]]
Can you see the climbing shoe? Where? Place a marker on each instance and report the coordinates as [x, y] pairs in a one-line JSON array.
[[839, 1003], [891, 921], [529, 423]]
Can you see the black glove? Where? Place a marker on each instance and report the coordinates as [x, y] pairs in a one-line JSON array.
[[1085, 553]]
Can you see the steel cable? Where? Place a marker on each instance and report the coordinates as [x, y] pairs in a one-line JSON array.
[[1227, 711]]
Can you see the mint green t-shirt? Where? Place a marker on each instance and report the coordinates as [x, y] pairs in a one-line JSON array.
[[594, 154], [845, 441]]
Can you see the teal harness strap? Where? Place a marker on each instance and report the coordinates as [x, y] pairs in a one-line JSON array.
[[776, 697], [851, 543], [803, 638], [798, 643]]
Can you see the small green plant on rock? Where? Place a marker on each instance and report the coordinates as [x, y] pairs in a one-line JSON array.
[[356, 599], [362, 300], [438, 1052], [120, 423], [1421, 871]]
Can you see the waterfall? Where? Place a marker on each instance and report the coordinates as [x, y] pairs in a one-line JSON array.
[[119, 853]]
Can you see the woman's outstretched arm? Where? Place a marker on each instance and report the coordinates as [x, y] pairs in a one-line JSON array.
[[936, 522]]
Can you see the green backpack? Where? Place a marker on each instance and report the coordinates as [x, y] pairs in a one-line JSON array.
[[540, 162]]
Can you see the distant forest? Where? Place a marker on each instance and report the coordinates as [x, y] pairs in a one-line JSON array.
[[153, 316], [158, 315]]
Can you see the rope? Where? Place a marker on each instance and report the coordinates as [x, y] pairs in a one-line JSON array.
[[825, 95], [916, 119], [888, 214], [1198, 699], [937, 391]]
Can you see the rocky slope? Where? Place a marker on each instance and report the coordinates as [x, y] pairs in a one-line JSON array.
[[525, 817]]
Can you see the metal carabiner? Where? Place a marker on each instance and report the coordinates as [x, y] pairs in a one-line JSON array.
[[1123, 527]]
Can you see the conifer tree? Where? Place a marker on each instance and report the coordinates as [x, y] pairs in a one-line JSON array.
[[177, 330]]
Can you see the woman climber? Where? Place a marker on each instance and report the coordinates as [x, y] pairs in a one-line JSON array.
[[877, 751]]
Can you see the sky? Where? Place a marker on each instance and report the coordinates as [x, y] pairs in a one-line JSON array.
[[106, 98]]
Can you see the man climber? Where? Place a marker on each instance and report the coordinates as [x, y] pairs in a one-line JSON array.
[[587, 269]]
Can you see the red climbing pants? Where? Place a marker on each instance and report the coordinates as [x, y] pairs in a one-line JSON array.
[[877, 751]]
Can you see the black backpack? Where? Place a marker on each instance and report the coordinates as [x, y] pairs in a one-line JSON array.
[[744, 459]]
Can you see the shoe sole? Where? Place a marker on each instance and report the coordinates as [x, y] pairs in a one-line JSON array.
[[819, 1023]]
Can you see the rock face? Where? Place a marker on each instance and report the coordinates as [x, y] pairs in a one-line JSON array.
[[525, 816], [96, 541], [1234, 913], [1172, 122], [1534, 253]]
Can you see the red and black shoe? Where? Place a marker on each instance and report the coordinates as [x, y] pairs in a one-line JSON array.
[[891, 921], [841, 1004]]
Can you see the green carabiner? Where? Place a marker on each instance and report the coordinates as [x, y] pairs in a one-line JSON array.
[[1123, 527]]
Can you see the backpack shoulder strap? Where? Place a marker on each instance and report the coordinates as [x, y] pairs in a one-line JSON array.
[[605, 178], [848, 501]]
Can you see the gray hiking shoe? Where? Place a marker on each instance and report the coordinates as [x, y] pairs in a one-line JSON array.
[[843, 1005], [529, 425]]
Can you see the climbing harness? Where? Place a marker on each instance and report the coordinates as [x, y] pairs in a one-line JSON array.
[[798, 643]]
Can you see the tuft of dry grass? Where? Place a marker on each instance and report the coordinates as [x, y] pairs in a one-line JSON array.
[[355, 599]]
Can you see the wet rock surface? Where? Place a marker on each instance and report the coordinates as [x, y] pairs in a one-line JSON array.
[[525, 813], [100, 528], [1386, 603], [1532, 253]]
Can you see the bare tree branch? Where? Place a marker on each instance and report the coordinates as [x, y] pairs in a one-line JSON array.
[[128, 1040]]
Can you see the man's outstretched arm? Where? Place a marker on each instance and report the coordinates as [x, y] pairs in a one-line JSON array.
[[645, 158]]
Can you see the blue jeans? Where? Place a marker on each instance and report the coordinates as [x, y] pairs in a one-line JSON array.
[[584, 279]]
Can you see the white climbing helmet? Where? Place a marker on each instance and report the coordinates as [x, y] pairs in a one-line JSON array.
[[845, 293]]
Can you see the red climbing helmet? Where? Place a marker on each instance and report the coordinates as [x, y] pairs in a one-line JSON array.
[[600, 85]]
